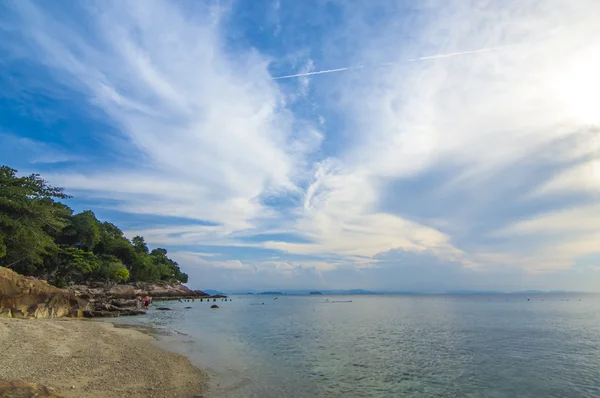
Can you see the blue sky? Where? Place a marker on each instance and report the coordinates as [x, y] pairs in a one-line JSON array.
[[464, 169]]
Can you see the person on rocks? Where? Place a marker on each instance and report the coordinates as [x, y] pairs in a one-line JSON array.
[[138, 302], [147, 302]]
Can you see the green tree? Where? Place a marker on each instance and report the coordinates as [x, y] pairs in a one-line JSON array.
[[167, 268], [110, 269], [2, 247], [29, 217], [119, 274], [139, 244], [83, 231], [40, 236], [69, 264]]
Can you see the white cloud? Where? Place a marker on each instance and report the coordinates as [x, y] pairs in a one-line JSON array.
[[339, 215], [584, 177], [561, 237], [207, 128], [210, 133], [477, 113]]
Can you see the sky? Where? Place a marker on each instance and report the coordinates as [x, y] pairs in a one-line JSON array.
[[453, 144]]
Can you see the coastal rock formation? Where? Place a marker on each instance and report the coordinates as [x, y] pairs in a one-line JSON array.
[[23, 297], [121, 293]]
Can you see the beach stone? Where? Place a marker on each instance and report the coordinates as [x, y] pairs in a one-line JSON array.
[[20, 389]]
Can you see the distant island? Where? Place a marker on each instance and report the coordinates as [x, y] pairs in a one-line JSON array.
[[353, 292], [214, 292]]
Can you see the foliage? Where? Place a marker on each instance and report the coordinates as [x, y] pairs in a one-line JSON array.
[[119, 274], [40, 236]]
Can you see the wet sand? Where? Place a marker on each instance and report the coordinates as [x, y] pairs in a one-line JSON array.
[[80, 358]]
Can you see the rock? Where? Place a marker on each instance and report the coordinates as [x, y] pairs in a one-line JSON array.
[[131, 312], [27, 297], [126, 293], [22, 297], [101, 314], [163, 309], [112, 312], [106, 307], [19, 389], [214, 306], [124, 303]]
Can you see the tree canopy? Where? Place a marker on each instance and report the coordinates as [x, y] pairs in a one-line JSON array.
[[41, 237]]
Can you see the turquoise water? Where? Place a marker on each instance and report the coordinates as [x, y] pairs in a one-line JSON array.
[[390, 346]]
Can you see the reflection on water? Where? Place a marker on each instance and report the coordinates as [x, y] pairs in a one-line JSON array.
[[390, 346]]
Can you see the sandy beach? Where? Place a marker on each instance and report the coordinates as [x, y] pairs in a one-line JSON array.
[[80, 358]]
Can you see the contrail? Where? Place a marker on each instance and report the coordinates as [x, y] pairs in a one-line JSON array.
[[317, 72], [481, 50], [320, 72]]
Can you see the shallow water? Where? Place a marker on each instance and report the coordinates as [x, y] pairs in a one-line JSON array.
[[390, 346]]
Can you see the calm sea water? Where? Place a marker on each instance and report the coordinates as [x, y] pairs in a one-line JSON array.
[[390, 346]]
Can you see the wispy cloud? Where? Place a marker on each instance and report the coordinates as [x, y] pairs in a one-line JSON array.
[[33, 151], [207, 128], [476, 158], [476, 115]]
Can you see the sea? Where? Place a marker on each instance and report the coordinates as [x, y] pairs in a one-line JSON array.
[[541, 345]]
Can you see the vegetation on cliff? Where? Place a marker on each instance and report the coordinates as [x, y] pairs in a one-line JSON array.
[[41, 237]]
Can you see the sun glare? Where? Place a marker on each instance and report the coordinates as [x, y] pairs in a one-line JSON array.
[[579, 89]]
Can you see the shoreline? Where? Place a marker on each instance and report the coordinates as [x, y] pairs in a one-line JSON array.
[[81, 358]]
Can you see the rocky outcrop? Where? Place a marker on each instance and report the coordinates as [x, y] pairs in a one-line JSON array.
[[121, 293], [23, 297]]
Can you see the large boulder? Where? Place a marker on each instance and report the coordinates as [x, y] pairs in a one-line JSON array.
[[23, 297]]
